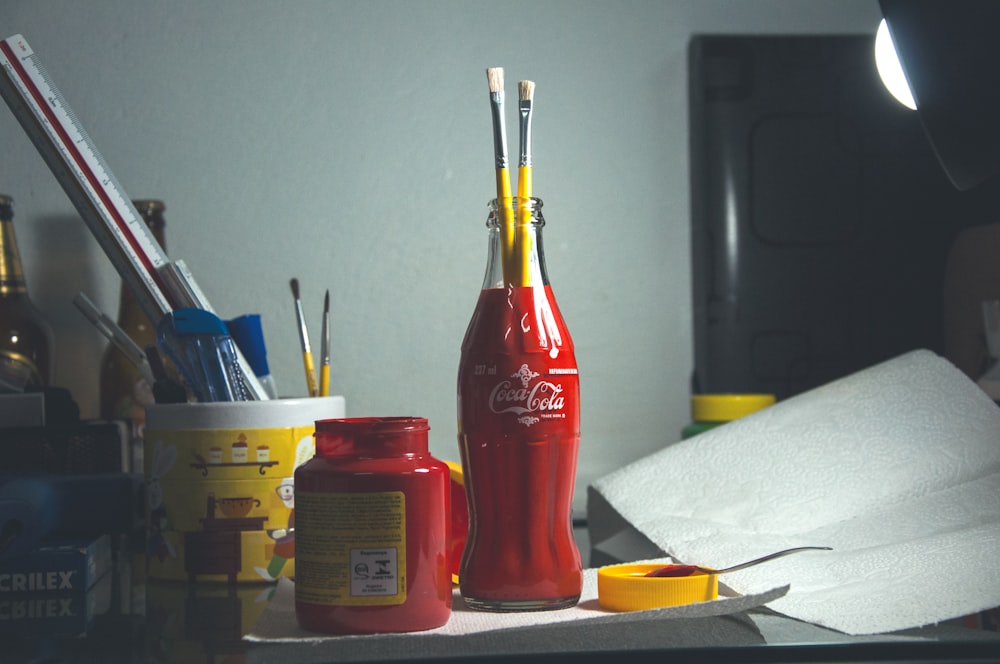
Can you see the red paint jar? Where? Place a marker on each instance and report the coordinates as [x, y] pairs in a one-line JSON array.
[[372, 529]]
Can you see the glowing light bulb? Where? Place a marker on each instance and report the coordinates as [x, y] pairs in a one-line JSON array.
[[887, 62]]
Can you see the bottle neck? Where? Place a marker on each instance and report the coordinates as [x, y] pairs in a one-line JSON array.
[[11, 273], [515, 255]]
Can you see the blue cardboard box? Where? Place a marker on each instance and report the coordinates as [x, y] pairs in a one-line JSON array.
[[65, 567]]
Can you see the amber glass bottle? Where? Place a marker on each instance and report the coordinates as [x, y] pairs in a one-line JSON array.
[[25, 335], [124, 392]]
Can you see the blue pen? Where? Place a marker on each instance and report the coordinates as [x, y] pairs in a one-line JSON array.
[[248, 334], [198, 342]]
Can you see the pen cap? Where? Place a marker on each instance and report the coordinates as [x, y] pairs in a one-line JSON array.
[[199, 344], [248, 334], [191, 321]]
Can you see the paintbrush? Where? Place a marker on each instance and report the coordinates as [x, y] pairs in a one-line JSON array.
[[324, 362], [307, 357], [525, 94], [494, 76], [522, 239]]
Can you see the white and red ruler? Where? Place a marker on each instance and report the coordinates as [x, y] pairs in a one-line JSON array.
[[160, 285]]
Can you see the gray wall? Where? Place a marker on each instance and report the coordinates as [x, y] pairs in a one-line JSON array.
[[349, 144]]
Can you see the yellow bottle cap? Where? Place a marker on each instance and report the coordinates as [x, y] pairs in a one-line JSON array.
[[727, 407], [627, 588]]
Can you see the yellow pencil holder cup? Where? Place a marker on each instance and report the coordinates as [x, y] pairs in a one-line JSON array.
[[220, 494]]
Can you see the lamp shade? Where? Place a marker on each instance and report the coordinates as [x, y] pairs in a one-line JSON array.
[[949, 53]]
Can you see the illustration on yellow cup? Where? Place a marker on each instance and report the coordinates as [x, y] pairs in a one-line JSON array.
[[228, 519], [284, 538], [240, 449], [238, 507]]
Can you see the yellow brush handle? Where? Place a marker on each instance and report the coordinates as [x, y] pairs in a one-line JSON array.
[[324, 380], [522, 239], [307, 360], [506, 210], [524, 183]]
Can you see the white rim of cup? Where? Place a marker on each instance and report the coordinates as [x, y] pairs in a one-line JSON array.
[[267, 414]]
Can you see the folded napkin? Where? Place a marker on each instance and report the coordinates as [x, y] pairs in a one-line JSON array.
[[896, 467]]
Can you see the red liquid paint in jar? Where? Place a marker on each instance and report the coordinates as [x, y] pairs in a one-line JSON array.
[[519, 435], [372, 529]]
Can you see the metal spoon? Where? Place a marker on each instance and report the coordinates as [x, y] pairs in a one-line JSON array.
[[688, 570]]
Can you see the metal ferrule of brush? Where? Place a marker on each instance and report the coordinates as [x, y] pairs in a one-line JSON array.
[[324, 345], [525, 109], [303, 333], [499, 133]]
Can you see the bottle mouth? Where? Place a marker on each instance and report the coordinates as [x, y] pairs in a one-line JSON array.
[[388, 435], [533, 203], [519, 209], [372, 425], [149, 204]]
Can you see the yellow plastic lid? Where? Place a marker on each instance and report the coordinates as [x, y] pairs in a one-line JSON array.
[[627, 588], [726, 407]]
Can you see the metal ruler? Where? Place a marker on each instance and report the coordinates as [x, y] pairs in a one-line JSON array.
[[159, 285]]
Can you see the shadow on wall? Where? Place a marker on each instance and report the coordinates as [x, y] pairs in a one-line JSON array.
[[972, 276], [67, 270]]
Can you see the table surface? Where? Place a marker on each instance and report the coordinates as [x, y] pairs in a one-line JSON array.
[[134, 620]]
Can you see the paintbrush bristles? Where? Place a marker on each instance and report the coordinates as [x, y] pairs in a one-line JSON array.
[[526, 90], [295, 287], [494, 76]]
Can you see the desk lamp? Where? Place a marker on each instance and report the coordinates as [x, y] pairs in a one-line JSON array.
[[948, 54]]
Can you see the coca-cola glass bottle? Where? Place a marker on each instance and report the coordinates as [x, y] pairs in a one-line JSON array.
[[518, 429]]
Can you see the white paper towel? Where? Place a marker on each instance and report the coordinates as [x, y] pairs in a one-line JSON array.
[[278, 623], [896, 467]]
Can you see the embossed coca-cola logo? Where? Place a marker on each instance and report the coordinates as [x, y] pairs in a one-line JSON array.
[[521, 393]]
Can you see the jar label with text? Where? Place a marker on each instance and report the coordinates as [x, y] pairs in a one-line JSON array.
[[350, 548]]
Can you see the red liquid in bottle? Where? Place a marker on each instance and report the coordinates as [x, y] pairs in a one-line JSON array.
[[519, 435]]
